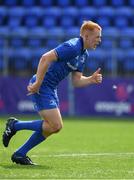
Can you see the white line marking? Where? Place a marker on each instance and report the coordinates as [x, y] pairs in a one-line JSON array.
[[87, 154]]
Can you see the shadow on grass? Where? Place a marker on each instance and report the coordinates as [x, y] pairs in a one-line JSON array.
[[16, 166]]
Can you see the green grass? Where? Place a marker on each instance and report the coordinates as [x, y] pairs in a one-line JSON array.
[[84, 149]]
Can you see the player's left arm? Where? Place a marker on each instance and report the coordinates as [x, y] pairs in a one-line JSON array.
[[79, 80]]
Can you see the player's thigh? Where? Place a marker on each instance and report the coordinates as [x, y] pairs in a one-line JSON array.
[[53, 117]]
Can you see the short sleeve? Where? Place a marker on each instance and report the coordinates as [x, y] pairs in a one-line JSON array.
[[80, 68], [66, 51]]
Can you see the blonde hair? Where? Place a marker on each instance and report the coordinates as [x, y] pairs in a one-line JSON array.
[[89, 25]]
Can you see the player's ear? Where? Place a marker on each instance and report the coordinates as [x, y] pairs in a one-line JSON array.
[[86, 36]]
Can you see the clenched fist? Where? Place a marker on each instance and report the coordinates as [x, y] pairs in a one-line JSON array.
[[33, 88]]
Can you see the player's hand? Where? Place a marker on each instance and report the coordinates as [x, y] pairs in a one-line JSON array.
[[33, 88], [97, 76]]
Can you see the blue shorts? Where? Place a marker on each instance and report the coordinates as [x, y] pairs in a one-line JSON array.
[[46, 98]]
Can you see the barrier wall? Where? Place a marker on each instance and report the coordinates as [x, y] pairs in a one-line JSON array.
[[100, 99]]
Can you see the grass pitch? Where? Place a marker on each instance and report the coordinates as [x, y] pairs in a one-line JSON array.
[[87, 148]]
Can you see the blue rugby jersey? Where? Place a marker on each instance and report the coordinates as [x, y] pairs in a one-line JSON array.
[[71, 57]]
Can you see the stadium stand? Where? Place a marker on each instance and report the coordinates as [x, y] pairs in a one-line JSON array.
[[36, 25]]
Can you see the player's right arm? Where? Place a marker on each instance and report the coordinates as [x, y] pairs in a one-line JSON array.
[[43, 65]]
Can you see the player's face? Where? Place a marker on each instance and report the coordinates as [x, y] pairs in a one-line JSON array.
[[94, 39]]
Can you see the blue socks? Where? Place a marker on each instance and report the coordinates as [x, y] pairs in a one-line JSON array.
[[33, 141], [35, 125], [36, 137]]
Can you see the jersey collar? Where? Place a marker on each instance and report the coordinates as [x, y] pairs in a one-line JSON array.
[[82, 45]]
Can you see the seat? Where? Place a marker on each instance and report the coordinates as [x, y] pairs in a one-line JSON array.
[[52, 43], [99, 3], [50, 17], [35, 11], [126, 43], [46, 3], [19, 32], [98, 55], [2, 42], [128, 13], [107, 43], [111, 32], [113, 60], [119, 54], [105, 16], [15, 18], [119, 57], [39, 52], [104, 21], [73, 12], [52, 11], [17, 11], [32, 17], [38, 32], [123, 16], [34, 64], [16, 42], [83, 3], [129, 66], [86, 14], [3, 14], [109, 59], [127, 32], [68, 17], [10, 2], [14, 22], [48, 21], [73, 31], [96, 59], [67, 21], [28, 3], [118, 3], [124, 11], [121, 22], [131, 3], [129, 61], [19, 59], [57, 32], [64, 3], [4, 31], [36, 57], [107, 11], [34, 42], [130, 54], [31, 21]]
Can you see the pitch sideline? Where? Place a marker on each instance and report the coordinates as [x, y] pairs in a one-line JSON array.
[[87, 154]]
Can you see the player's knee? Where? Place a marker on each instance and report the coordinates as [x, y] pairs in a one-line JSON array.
[[57, 128]]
